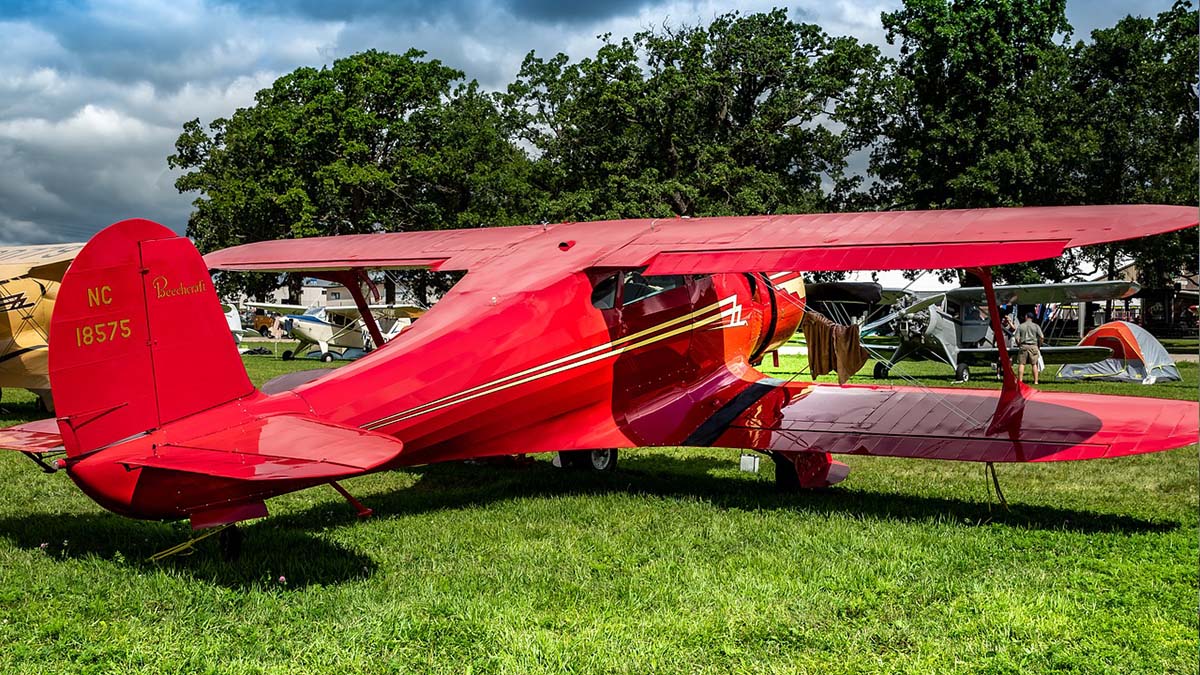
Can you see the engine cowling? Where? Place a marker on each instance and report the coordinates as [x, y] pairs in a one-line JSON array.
[[788, 305]]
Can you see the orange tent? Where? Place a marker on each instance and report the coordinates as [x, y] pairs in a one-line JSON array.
[[1137, 356]]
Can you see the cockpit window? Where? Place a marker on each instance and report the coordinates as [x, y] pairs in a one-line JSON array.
[[604, 295], [638, 287]]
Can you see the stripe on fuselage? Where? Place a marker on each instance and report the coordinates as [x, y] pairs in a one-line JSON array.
[[592, 354]]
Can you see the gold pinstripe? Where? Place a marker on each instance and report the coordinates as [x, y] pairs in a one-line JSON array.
[[527, 375]]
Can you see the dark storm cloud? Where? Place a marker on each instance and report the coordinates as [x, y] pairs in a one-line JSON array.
[[540, 11], [575, 12], [93, 93]]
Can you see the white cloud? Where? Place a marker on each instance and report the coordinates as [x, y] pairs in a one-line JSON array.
[[93, 94], [92, 127]]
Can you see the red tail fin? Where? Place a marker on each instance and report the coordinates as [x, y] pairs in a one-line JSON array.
[[138, 338]]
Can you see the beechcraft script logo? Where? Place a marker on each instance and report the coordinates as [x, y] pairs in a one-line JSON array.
[[164, 288], [14, 302]]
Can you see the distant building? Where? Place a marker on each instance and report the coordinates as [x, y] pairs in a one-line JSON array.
[[1164, 311], [313, 293]]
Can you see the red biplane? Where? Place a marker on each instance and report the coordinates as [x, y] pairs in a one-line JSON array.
[[579, 338]]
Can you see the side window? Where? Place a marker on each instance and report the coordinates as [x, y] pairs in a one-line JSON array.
[[604, 295], [638, 287]]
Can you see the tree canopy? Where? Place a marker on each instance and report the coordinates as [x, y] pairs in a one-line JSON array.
[[986, 104], [376, 142], [740, 116], [1135, 83]]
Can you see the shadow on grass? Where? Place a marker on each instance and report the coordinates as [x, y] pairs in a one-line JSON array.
[[286, 545], [460, 486], [268, 551]]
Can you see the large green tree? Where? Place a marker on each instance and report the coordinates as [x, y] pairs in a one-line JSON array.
[[376, 142], [987, 105], [740, 116], [1136, 82], [978, 109]]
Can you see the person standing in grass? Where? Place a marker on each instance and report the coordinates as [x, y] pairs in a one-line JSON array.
[[1029, 340]]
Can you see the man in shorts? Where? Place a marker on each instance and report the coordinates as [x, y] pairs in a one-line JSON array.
[[1029, 338]]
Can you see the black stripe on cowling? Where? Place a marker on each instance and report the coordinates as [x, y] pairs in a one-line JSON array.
[[712, 428]]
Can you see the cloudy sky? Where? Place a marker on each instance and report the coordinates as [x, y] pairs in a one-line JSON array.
[[93, 93]]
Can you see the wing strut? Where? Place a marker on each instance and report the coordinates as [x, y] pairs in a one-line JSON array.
[[1011, 406], [351, 280]]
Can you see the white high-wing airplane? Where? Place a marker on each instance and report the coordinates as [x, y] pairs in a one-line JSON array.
[[234, 319], [338, 330]]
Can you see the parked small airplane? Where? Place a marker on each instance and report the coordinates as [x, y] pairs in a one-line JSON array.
[[234, 319], [29, 283], [580, 338], [954, 327], [338, 331]]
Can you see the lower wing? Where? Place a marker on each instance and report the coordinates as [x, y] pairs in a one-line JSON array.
[[953, 424], [1055, 355]]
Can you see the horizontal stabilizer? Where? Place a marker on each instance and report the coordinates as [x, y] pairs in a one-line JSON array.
[[952, 424], [40, 436], [280, 447]]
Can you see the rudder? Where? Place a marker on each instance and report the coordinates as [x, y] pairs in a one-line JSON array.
[[138, 338]]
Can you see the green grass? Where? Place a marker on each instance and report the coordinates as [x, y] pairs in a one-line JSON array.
[[1181, 345], [676, 563]]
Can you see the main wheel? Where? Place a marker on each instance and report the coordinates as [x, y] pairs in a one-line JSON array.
[[327, 357], [265, 332], [287, 355], [881, 371], [603, 460], [962, 373], [595, 460], [230, 542], [786, 478]]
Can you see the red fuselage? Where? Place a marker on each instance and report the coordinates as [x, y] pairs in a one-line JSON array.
[[597, 359]]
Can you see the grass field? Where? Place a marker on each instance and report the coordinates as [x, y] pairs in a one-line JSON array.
[[678, 562], [1181, 345]]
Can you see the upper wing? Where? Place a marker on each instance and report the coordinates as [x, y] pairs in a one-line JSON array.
[[396, 311], [43, 262], [439, 249], [889, 240], [1031, 294], [952, 424], [280, 307], [810, 242], [47, 262]]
